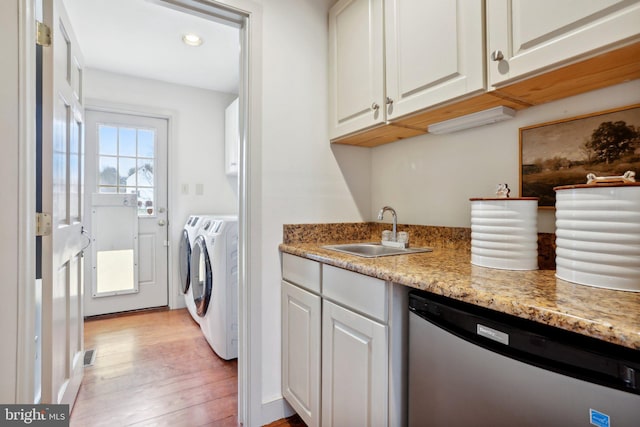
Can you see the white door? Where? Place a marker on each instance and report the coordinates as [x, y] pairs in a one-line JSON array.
[[356, 66], [62, 173], [128, 154], [434, 52], [301, 352], [354, 369]]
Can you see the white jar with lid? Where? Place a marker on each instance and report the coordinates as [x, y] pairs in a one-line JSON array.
[[598, 235], [504, 233]]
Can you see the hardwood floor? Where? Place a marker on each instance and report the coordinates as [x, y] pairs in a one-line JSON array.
[[156, 369]]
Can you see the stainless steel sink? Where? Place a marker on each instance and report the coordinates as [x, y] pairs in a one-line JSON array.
[[373, 250]]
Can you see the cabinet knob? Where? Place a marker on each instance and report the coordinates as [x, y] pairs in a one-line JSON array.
[[497, 55], [389, 101], [375, 106]]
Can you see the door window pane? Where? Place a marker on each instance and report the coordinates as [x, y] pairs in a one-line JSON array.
[[108, 140], [127, 142], [146, 141], [145, 173], [127, 171], [108, 170], [126, 162]]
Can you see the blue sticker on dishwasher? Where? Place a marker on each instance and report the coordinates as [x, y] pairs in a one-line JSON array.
[[599, 419]]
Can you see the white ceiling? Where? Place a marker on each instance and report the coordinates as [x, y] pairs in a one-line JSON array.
[[144, 39]]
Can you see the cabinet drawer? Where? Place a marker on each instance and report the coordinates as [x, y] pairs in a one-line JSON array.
[[301, 271], [362, 293]]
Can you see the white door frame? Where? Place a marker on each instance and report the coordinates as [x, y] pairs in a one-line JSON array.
[[250, 313], [26, 139]]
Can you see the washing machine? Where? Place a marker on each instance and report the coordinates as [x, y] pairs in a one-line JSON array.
[[189, 235], [214, 278]]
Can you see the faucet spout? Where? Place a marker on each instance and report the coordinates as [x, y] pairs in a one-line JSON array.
[[395, 220]]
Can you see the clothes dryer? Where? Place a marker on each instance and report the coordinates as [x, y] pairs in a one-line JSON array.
[[214, 273], [189, 234]]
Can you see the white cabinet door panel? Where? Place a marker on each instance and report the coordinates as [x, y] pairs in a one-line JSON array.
[[301, 352], [355, 66], [354, 369], [434, 52], [534, 36]]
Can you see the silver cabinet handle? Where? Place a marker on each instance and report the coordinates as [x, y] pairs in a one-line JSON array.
[[497, 55], [375, 106], [162, 222], [389, 101]]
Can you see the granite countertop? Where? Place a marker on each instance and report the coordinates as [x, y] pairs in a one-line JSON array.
[[612, 316]]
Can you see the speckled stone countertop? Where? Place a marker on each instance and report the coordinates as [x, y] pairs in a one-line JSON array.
[[612, 316]]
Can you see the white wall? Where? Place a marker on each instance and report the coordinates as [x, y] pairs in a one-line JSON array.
[[9, 162], [429, 179], [196, 144], [301, 178]]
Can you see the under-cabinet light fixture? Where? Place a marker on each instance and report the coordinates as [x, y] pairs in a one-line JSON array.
[[473, 120]]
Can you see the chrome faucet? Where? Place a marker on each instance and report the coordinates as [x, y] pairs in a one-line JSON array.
[[395, 220]]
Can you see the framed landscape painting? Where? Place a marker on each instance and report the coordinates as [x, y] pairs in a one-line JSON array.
[[563, 152]]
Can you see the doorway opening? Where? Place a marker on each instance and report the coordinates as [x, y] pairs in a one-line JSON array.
[[200, 187]]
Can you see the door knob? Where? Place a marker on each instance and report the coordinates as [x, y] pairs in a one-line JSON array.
[[162, 222], [497, 55]]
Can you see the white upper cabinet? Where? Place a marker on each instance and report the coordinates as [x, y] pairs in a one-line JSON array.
[[355, 66], [395, 57], [526, 37], [434, 52]]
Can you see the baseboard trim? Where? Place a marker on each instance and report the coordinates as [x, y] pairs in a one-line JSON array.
[[274, 410]]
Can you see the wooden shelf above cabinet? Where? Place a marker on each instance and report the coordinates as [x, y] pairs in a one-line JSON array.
[[378, 135], [604, 70]]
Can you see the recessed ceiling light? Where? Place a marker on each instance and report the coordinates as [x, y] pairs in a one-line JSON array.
[[192, 39]]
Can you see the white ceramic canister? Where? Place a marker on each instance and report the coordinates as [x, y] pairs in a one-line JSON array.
[[504, 233], [598, 235]]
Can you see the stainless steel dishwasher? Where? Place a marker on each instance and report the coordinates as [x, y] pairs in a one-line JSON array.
[[470, 366]]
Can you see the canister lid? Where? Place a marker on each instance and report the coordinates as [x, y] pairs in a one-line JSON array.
[[475, 199], [593, 181], [609, 184]]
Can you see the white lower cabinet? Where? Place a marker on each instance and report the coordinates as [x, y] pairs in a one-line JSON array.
[[301, 352], [343, 346], [354, 369]]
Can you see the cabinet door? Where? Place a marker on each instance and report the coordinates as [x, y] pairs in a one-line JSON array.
[[301, 352], [356, 63], [354, 369], [531, 36], [434, 52]]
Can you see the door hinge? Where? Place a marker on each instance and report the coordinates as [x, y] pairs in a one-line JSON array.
[[43, 224], [43, 34]]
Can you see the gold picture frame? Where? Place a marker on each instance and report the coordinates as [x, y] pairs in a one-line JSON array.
[[563, 152]]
